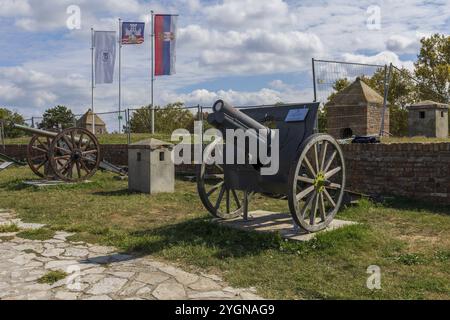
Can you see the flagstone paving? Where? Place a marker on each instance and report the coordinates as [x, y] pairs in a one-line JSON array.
[[96, 272]]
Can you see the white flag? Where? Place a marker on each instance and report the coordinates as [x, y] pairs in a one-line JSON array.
[[105, 56]]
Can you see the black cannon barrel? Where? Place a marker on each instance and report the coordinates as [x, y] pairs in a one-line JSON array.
[[226, 116]]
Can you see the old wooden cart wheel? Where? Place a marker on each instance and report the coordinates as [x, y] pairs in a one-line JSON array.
[[37, 155], [75, 154], [318, 182], [220, 200]]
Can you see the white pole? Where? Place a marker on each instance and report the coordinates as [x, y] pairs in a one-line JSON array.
[[92, 80], [120, 71], [153, 73]]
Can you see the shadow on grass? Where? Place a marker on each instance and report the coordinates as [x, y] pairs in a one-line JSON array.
[[401, 203], [201, 233], [202, 239], [123, 192]]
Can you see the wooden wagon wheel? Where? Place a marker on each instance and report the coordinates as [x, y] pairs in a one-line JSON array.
[[318, 182], [37, 155], [75, 154], [220, 200]]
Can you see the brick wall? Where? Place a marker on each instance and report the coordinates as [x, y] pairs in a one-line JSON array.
[[414, 170]]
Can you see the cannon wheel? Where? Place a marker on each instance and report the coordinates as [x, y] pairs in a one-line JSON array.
[[221, 201], [75, 155], [37, 155], [318, 182]]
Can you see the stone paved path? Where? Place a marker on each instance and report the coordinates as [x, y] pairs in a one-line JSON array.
[[96, 272]]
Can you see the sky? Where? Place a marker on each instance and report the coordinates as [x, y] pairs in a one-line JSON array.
[[245, 51]]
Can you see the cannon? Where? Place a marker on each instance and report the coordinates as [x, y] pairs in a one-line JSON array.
[[311, 172], [71, 155]]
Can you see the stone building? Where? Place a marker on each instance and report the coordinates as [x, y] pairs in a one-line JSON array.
[[86, 122], [356, 111], [428, 119]]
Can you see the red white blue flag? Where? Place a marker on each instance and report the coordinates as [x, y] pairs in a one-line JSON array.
[[133, 32], [165, 29]]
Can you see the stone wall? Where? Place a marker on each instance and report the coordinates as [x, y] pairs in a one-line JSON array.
[[414, 170]]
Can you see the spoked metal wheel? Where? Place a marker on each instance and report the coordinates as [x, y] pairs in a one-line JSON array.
[[75, 154], [37, 155], [220, 200], [318, 183]]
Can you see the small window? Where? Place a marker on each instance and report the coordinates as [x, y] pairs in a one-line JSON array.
[[442, 114], [161, 156], [139, 157], [422, 115]]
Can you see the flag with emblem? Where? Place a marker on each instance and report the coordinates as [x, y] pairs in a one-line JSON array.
[[133, 32], [165, 31], [105, 56]]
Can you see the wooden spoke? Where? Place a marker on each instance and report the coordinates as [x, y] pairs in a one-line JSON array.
[[93, 151], [331, 173], [323, 154], [309, 167], [39, 149], [305, 192], [78, 169], [219, 199], [83, 165], [66, 140], [312, 216], [80, 140], [330, 161], [63, 157], [41, 164], [322, 207], [62, 150], [316, 158], [215, 188], [42, 145], [307, 205], [305, 179], [39, 157], [334, 186], [329, 198]]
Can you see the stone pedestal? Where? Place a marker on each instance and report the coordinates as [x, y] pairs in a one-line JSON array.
[[150, 167]]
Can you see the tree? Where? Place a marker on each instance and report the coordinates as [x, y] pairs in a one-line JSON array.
[[11, 117], [167, 119], [58, 116], [432, 68]]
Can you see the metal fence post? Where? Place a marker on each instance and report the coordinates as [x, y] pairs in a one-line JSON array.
[[387, 80]]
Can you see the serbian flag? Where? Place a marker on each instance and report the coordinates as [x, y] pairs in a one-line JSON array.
[[165, 30]]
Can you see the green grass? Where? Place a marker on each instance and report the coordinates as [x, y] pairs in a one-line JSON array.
[[409, 241], [103, 138], [52, 277], [38, 234], [5, 228]]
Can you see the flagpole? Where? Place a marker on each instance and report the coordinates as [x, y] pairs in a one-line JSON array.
[[153, 72], [92, 80], [120, 72]]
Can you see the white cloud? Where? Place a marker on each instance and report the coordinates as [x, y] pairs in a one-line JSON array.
[[382, 58], [11, 8], [402, 44], [247, 13]]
